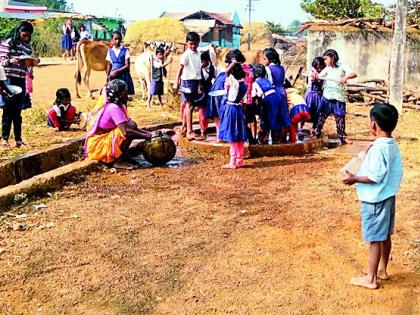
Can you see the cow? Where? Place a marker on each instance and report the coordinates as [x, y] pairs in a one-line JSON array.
[[90, 55]]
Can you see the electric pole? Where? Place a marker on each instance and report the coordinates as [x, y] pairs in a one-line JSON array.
[[250, 8], [397, 69]]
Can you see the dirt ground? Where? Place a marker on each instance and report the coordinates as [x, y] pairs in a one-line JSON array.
[[281, 236], [47, 80]]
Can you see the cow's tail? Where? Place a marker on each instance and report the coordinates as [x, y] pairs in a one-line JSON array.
[[79, 63]]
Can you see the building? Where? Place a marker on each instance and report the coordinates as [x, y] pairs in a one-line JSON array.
[[365, 49], [9, 6], [221, 29]]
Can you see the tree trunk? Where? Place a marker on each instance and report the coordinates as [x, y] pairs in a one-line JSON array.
[[397, 70]]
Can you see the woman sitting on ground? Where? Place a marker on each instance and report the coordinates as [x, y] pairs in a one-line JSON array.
[[111, 131]]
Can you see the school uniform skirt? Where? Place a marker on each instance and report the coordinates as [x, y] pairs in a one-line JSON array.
[[328, 107], [214, 106], [156, 87], [66, 42], [313, 100], [274, 112], [232, 123], [126, 77], [299, 113]]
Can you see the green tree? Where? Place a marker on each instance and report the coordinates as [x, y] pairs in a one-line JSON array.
[[342, 9], [413, 12], [275, 28], [61, 5], [293, 27]]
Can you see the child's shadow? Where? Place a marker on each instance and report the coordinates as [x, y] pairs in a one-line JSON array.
[[297, 160], [407, 280]]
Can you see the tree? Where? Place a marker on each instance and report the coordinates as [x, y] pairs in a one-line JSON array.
[[293, 27], [61, 5], [413, 12], [275, 28], [342, 9]]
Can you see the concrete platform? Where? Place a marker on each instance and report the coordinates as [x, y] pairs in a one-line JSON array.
[[212, 146], [45, 182]]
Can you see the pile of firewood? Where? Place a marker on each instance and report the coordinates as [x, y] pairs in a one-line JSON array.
[[376, 90]]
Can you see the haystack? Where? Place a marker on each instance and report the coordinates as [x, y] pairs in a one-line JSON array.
[[161, 29], [261, 36]]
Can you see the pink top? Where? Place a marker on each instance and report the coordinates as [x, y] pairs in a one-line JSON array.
[[112, 116], [248, 80]]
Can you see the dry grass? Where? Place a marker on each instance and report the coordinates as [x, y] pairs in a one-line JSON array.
[[260, 36], [161, 29]]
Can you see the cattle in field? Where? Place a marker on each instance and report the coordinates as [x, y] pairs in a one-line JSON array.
[[90, 55]]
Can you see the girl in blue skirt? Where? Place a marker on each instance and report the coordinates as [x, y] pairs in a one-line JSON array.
[[232, 120], [118, 58]]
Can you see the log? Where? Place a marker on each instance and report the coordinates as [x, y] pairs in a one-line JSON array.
[[374, 97]]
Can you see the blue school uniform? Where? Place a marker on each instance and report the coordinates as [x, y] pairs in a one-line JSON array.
[[214, 106], [232, 121], [277, 76], [274, 111], [313, 97], [118, 63]]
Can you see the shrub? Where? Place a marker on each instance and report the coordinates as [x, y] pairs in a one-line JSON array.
[[46, 40]]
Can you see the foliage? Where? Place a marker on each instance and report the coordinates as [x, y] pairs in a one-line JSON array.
[[6, 25], [46, 40], [51, 4], [21, 199], [293, 27], [342, 9], [161, 29], [413, 12], [261, 35], [275, 28]]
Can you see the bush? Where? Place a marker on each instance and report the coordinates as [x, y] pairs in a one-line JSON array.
[[161, 29], [46, 40], [6, 25]]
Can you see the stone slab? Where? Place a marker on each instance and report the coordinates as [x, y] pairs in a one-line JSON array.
[[45, 182]]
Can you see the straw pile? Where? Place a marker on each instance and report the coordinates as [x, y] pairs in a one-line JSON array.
[[261, 36], [161, 29]]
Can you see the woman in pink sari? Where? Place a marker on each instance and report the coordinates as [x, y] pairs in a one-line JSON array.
[[111, 130]]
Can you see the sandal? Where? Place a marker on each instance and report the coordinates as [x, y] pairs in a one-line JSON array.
[[20, 144]]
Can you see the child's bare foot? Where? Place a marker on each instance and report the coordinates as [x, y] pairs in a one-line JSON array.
[[229, 166], [364, 282], [347, 141], [381, 275], [5, 144]]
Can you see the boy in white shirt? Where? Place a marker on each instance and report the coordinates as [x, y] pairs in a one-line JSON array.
[[189, 74]]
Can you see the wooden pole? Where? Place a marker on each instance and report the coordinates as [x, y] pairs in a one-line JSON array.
[[249, 24], [396, 80]]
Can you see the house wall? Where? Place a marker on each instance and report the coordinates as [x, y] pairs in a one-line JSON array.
[[366, 51]]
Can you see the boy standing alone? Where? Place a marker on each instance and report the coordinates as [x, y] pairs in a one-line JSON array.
[[377, 183], [189, 74]]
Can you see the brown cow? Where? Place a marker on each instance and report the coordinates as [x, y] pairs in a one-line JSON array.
[[252, 57], [91, 55]]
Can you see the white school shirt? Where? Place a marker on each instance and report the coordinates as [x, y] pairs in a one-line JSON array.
[[192, 65], [84, 35], [117, 52]]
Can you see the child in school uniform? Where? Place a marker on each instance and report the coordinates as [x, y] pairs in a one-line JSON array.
[[232, 122], [377, 182], [275, 71], [158, 73], [274, 117], [299, 112], [335, 76], [62, 114], [118, 58], [189, 75], [313, 93], [208, 73]]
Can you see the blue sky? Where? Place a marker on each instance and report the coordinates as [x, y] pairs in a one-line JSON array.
[[279, 11]]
